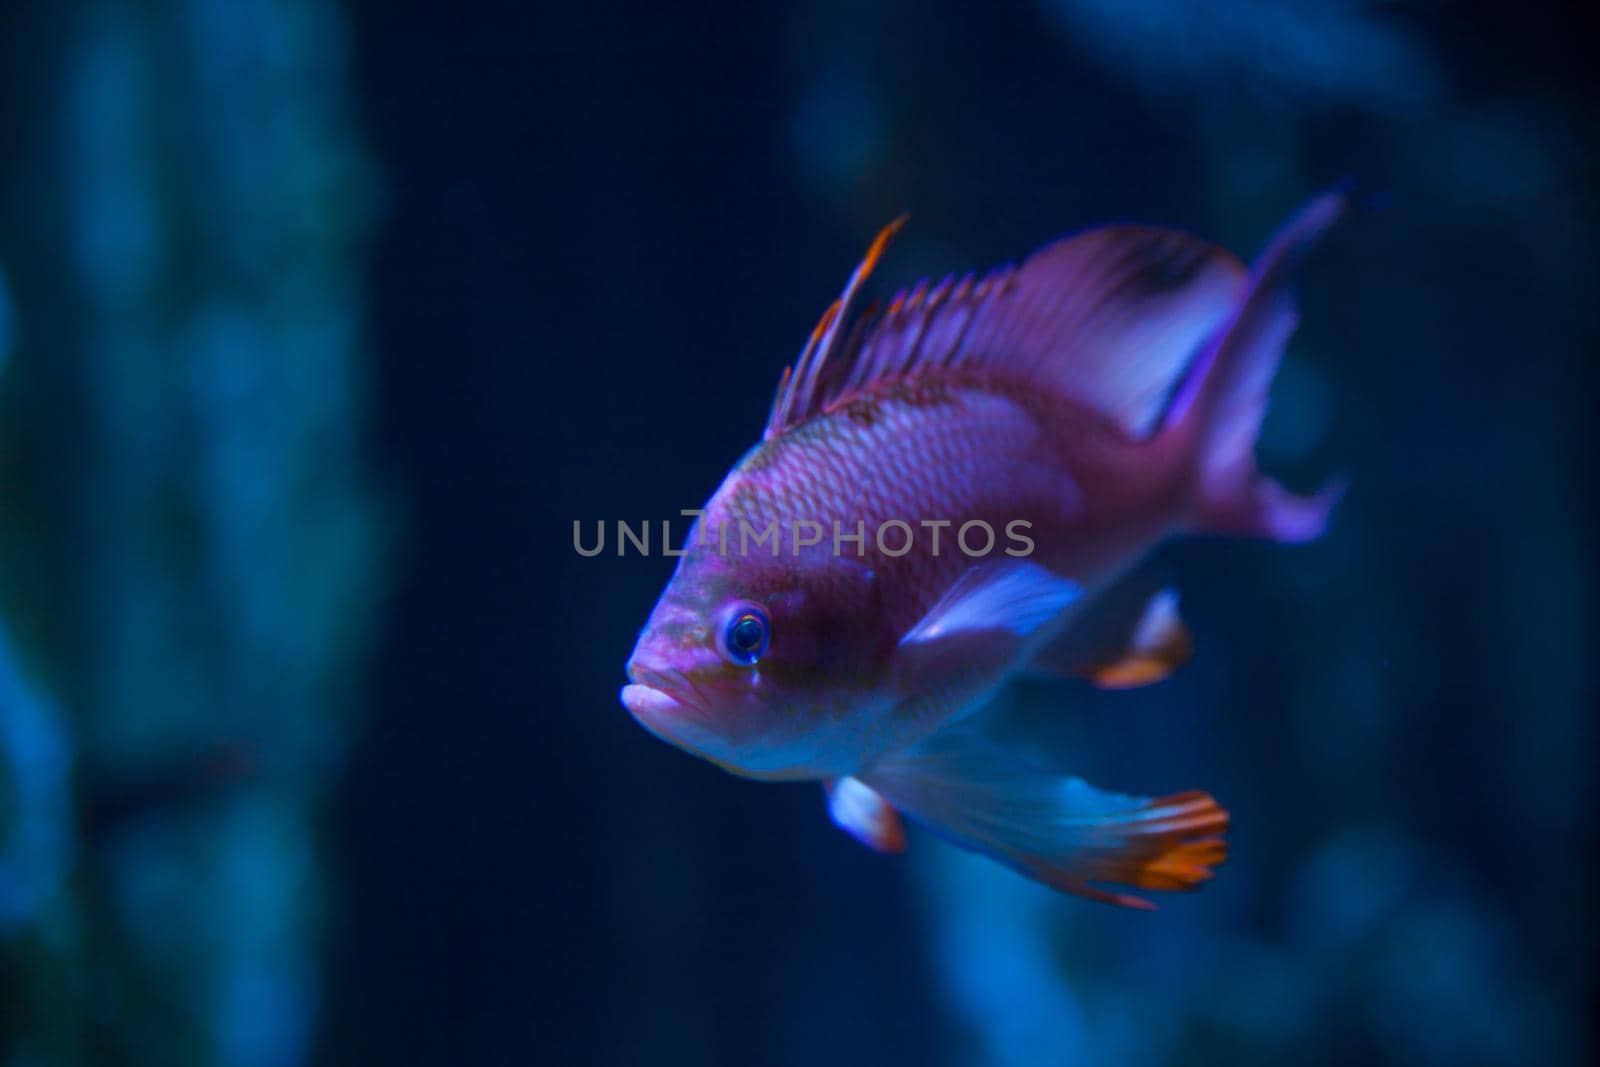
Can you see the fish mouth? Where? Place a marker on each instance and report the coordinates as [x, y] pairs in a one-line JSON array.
[[648, 704], [668, 718], [672, 709], [665, 683], [660, 698]]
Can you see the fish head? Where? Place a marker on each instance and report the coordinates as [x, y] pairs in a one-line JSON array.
[[755, 661]]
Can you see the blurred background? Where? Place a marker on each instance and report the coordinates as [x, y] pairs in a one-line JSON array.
[[321, 323]]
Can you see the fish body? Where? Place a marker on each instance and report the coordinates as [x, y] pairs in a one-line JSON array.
[[832, 619], [971, 451]]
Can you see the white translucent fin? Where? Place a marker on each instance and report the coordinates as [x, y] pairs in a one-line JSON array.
[[1013, 596], [1057, 830]]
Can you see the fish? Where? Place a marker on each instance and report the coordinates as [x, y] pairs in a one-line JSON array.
[[1098, 399]]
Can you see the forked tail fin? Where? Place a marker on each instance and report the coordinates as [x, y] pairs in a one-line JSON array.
[[1217, 412]]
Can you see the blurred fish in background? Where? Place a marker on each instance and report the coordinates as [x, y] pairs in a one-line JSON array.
[[320, 323]]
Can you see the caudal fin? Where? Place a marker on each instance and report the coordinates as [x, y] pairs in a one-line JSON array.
[[1217, 413]]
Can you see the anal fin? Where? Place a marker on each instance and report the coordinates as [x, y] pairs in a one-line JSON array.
[[1167, 843], [1056, 830]]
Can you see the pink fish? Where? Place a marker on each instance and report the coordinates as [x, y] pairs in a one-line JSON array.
[[840, 614]]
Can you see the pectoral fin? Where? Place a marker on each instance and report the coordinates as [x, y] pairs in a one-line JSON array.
[[858, 810], [1006, 602], [1057, 830], [989, 621], [1130, 638]]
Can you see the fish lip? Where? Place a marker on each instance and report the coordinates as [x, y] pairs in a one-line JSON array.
[[648, 704], [667, 684], [661, 714], [671, 709]]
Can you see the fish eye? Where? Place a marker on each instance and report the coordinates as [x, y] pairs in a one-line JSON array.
[[747, 634]]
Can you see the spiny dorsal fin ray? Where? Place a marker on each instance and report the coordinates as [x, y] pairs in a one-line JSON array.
[[797, 387], [1109, 317]]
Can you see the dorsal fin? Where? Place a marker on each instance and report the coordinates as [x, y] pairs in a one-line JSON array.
[[1109, 317]]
